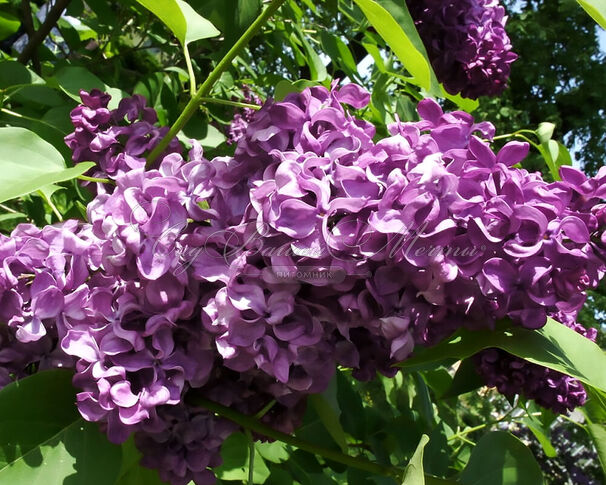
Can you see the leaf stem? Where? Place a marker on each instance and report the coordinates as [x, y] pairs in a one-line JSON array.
[[230, 103], [8, 209], [190, 71], [95, 179], [253, 424], [212, 78], [51, 205]]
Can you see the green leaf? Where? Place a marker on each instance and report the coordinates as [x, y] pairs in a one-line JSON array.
[[9, 24], [598, 436], [197, 26], [12, 215], [541, 434], [183, 21], [596, 9], [550, 151], [465, 380], [353, 417], [338, 51], [595, 407], [317, 68], [284, 88], [545, 131], [72, 79], [414, 474], [554, 345], [43, 439], [397, 39], [29, 163], [13, 73], [500, 458], [234, 452], [131, 472], [327, 407], [275, 452], [555, 155]]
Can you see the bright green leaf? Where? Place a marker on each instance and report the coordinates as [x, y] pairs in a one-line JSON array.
[[9, 24], [596, 9], [275, 451], [545, 131], [500, 458], [393, 34], [414, 474], [554, 346], [182, 20], [11, 216], [29, 163], [197, 26]]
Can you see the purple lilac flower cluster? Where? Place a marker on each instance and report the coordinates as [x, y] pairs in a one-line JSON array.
[[116, 140], [247, 279], [466, 43]]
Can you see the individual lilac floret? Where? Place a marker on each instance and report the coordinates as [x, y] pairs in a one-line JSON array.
[[467, 44], [116, 140]]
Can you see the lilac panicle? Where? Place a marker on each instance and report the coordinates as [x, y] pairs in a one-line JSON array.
[[467, 44]]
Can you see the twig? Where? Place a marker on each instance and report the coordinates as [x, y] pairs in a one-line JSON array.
[[35, 40], [252, 424], [28, 24], [230, 103]]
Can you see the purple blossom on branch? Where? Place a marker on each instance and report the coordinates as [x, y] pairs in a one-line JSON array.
[[467, 44]]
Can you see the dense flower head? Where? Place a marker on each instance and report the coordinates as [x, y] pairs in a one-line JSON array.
[[116, 140], [248, 279], [512, 375], [427, 230], [467, 44]]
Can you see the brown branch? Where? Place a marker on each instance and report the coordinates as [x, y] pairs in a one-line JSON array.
[[35, 40], [28, 24]]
